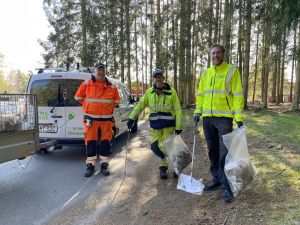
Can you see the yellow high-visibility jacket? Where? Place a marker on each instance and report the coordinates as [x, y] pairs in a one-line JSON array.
[[165, 109], [220, 93]]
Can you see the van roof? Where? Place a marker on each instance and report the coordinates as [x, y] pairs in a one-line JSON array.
[[67, 75]]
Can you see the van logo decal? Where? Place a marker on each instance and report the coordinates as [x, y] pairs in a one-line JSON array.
[[71, 116], [43, 116]]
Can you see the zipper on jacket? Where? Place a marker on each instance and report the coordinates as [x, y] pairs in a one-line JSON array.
[[212, 93], [228, 103]]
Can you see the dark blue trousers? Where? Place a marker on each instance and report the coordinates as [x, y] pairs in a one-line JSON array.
[[214, 128]]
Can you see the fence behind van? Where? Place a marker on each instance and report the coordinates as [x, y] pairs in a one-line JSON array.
[[18, 112]]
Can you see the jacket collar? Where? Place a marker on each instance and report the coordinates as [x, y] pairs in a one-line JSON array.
[[107, 82], [222, 66], [166, 87]]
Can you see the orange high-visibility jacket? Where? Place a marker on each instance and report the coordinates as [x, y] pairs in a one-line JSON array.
[[98, 99]]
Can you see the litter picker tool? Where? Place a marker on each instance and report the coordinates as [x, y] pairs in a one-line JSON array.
[[125, 167], [188, 183]]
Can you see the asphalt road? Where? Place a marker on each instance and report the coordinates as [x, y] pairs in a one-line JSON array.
[[50, 183]]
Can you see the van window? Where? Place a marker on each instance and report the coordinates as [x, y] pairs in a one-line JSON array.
[[56, 92], [127, 94], [122, 96]]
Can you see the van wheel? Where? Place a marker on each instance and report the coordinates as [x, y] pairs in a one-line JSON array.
[[134, 127], [44, 150]]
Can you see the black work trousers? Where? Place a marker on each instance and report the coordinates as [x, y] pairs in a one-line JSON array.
[[214, 128]]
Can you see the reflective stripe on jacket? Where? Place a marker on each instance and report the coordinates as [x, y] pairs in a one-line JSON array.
[[220, 93], [98, 99], [165, 109]]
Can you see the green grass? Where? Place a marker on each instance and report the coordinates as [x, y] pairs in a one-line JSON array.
[[278, 182], [282, 128], [279, 169]]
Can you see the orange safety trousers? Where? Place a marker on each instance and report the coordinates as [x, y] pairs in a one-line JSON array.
[[98, 130]]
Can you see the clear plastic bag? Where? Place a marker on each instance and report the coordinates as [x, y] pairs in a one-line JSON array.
[[178, 154], [238, 168]]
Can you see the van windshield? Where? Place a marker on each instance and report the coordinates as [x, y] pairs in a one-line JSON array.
[[55, 92]]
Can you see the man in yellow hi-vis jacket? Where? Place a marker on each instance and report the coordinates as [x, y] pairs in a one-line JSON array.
[[165, 115], [219, 101]]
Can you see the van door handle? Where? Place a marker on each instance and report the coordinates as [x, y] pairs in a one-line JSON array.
[[56, 116]]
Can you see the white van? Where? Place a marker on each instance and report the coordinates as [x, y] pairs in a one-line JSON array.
[[60, 116]]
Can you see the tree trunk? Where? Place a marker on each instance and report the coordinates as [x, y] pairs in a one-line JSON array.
[[295, 104], [106, 44], [114, 39], [189, 80], [221, 21], [247, 52], [293, 63], [227, 28], [84, 55], [136, 56], [216, 20], [144, 31], [240, 36], [210, 29], [174, 28], [151, 41], [256, 63], [182, 48], [158, 35], [122, 53], [278, 64], [166, 60], [194, 49], [274, 79], [146, 43], [262, 63], [127, 21], [282, 65], [266, 63]]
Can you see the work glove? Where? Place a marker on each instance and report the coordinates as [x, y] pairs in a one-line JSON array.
[[197, 117], [130, 123], [177, 132], [240, 124]]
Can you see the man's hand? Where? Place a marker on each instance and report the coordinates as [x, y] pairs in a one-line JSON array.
[[240, 124], [197, 117], [130, 123], [177, 132]]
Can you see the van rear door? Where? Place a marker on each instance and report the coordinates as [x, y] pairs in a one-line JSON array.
[[51, 110]]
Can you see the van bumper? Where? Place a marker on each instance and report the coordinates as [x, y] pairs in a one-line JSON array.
[[65, 141]]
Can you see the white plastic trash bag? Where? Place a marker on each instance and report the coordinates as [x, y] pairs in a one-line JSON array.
[[238, 168], [189, 184], [178, 154]]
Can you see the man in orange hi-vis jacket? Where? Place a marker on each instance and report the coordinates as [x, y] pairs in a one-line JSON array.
[[98, 97]]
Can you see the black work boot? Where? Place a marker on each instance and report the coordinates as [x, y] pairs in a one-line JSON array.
[[163, 172], [90, 169], [227, 195], [213, 184], [104, 169], [175, 175]]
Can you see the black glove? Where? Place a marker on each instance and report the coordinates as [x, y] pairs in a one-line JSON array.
[[130, 123], [197, 117], [240, 124], [177, 132]]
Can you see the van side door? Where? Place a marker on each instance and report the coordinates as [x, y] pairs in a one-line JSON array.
[[74, 114]]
